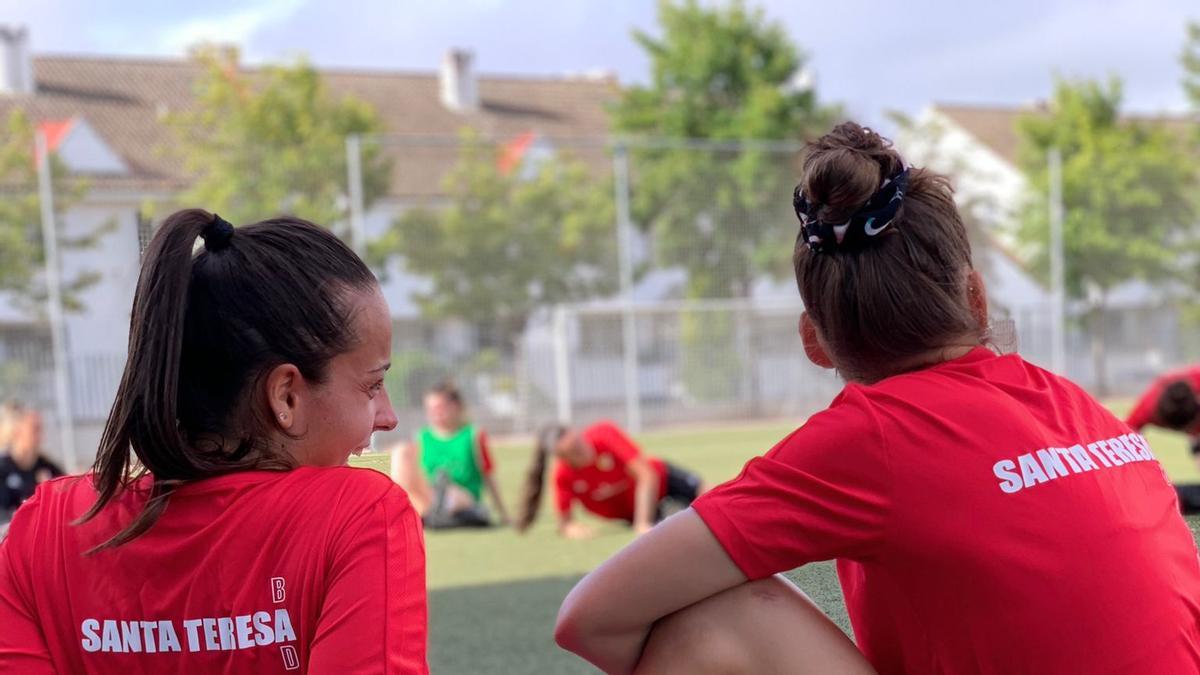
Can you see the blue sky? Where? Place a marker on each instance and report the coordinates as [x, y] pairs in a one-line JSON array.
[[869, 55]]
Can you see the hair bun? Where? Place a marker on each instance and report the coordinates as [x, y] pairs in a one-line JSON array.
[[845, 167]]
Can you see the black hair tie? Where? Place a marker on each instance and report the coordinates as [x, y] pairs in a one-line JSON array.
[[870, 220], [217, 233]]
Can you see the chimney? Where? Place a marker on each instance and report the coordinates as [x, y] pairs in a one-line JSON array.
[[16, 63], [459, 87]]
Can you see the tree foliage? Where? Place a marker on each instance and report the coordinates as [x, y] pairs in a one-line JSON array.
[[721, 74], [1127, 201], [260, 143], [1126, 188], [508, 242], [22, 255]]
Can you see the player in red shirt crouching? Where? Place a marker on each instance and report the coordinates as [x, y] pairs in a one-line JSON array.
[[1171, 403], [605, 471], [220, 530], [986, 516]]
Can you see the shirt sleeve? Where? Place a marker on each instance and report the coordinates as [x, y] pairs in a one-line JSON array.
[[617, 441], [562, 495], [485, 454], [1143, 411], [373, 618], [22, 647], [822, 493]]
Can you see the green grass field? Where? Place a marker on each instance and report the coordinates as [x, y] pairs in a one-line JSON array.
[[493, 594]]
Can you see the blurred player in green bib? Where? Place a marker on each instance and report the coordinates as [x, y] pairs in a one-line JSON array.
[[447, 466]]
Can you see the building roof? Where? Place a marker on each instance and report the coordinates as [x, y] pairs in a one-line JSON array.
[[996, 126], [126, 99]]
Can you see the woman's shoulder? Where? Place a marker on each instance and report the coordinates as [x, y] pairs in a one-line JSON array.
[[54, 504], [356, 484]]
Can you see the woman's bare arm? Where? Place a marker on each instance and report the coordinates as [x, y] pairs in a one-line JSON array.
[[607, 617]]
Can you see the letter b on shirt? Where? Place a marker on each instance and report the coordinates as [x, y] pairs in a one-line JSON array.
[[277, 591]]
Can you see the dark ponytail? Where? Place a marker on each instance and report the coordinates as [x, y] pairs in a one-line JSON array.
[[205, 329], [535, 477]]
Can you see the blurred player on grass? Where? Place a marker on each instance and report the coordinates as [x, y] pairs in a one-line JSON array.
[[1170, 402], [986, 516], [447, 465], [600, 467]]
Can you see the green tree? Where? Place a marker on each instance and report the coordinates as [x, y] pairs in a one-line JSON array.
[[22, 257], [1126, 190], [508, 242], [723, 74], [719, 209], [1190, 59], [260, 143]]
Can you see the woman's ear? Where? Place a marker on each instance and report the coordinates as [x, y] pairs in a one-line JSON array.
[[813, 348], [283, 389], [977, 298]]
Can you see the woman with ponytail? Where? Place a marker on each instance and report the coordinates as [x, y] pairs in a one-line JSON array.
[[605, 471], [219, 529]]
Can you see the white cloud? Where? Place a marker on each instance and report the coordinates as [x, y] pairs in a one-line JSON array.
[[235, 27]]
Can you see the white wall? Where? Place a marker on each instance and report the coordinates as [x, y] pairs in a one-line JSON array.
[[980, 175]]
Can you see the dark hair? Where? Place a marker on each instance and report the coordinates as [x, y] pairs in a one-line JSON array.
[[206, 328], [1177, 407], [535, 476], [446, 390], [903, 293]]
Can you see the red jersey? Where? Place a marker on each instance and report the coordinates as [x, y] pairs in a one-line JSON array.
[[987, 517], [606, 488], [1143, 412], [317, 570]]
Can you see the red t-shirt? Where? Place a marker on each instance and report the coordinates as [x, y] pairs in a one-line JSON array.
[[308, 571], [987, 517], [1143, 412], [606, 488]]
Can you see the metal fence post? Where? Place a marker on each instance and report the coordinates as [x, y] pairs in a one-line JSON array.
[[62, 394], [562, 366], [633, 403], [358, 228]]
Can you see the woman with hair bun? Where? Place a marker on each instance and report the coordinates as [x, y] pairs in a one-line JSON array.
[[986, 516]]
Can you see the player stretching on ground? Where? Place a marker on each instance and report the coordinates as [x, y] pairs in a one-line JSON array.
[[605, 471], [1171, 403]]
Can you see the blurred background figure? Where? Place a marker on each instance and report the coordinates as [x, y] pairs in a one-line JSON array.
[[447, 466], [604, 470], [10, 411], [23, 465], [1170, 402]]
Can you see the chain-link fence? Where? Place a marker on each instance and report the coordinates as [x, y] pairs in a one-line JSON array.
[[552, 278]]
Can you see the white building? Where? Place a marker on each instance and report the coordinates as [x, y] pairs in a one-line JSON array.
[[978, 146]]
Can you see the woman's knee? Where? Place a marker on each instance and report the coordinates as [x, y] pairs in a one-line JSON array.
[[765, 626]]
